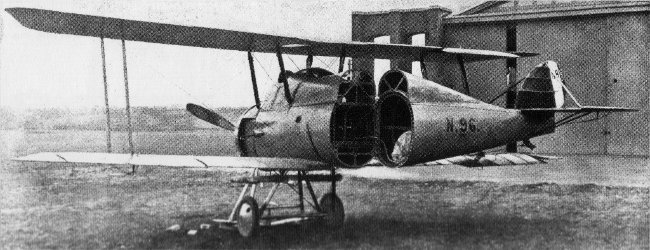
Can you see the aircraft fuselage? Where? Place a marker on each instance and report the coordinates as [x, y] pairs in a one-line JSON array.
[[344, 122]]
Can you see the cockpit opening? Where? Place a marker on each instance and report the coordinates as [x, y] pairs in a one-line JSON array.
[[395, 121], [393, 80], [353, 120], [394, 128]]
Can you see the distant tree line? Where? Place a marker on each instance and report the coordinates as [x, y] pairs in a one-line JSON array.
[[143, 119]]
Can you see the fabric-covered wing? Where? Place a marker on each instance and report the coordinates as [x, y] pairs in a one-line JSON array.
[[115, 28], [189, 161], [489, 160]]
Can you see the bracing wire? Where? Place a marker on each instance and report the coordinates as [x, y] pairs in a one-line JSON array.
[[178, 86], [294, 63], [263, 69], [329, 66]]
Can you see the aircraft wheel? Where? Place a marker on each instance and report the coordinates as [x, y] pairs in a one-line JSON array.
[[333, 207], [248, 217]]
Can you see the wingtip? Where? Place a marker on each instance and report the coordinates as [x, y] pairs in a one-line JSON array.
[[12, 10], [524, 54], [21, 15]]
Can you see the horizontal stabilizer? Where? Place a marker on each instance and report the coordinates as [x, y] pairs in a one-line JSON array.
[[524, 54], [582, 109], [187, 161], [151, 32]]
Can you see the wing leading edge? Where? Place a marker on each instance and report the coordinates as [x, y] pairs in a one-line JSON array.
[[122, 29], [188, 161]]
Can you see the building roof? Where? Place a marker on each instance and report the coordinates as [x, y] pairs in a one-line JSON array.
[[432, 7], [499, 11]]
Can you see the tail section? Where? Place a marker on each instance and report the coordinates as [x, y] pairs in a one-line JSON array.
[[541, 96], [542, 88]]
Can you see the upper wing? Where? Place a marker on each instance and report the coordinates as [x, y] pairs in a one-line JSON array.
[[190, 161], [96, 26]]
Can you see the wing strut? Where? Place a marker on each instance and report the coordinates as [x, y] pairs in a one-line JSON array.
[[251, 64], [128, 100], [342, 59], [423, 67], [283, 75], [107, 110], [463, 71], [573, 98], [310, 60]]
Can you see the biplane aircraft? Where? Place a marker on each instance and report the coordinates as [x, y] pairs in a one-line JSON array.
[[315, 121]]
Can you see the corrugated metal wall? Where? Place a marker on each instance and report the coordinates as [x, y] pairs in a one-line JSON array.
[[603, 59], [629, 72], [486, 79]]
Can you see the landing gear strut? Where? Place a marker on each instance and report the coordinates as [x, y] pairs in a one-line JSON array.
[[248, 216]]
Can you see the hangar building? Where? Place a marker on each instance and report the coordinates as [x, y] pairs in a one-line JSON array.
[[602, 49]]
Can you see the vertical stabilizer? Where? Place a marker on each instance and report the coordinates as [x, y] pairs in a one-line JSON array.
[[542, 88]]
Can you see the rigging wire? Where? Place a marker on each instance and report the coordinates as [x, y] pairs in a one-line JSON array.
[[329, 66], [262, 66], [177, 86], [294, 63]]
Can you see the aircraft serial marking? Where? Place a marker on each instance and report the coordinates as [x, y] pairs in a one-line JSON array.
[[461, 125]]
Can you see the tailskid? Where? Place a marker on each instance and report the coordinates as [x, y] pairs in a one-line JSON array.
[[248, 215]]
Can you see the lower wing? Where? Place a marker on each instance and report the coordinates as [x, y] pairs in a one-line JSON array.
[[486, 160], [188, 161], [491, 160]]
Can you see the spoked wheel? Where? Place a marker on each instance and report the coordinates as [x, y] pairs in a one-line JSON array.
[[248, 217], [331, 205]]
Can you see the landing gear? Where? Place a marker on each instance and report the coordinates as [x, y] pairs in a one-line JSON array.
[[248, 217], [332, 207]]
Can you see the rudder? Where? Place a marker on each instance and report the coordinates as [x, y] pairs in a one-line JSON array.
[[542, 88]]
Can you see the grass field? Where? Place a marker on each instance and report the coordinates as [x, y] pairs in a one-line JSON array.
[[54, 206]]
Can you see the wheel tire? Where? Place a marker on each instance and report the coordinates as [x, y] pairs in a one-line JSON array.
[[248, 217], [331, 205]]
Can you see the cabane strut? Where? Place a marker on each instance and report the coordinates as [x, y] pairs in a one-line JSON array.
[[251, 64], [283, 75]]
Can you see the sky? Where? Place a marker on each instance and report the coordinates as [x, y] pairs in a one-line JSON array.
[[42, 70]]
